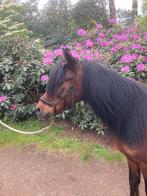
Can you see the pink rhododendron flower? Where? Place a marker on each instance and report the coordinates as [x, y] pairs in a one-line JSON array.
[[58, 52], [122, 38], [112, 21], [48, 54], [128, 58], [136, 46], [135, 37], [75, 54], [68, 46], [99, 26], [99, 39], [78, 45], [105, 43], [82, 32], [102, 35], [113, 50], [116, 48], [140, 67], [13, 107], [89, 43], [85, 51], [126, 49], [125, 69], [47, 61], [44, 77], [86, 54], [2, 99]]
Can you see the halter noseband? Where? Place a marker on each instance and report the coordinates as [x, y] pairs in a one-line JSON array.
[[46, 102]]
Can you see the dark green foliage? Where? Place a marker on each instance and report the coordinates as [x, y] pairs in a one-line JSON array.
[[20, 75], [86, 119], [143, 20], [52, 22], [86, 12]]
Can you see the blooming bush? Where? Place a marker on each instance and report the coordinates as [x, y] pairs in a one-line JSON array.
[[123, 49]]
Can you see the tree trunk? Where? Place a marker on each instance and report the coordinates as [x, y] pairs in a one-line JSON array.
[[135, 8], [112, 9]]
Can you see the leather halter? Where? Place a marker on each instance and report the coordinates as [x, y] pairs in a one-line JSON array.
[[46, 102]]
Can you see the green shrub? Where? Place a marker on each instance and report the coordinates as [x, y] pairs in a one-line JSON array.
[[20, 68], [86, 119], [143, 20]]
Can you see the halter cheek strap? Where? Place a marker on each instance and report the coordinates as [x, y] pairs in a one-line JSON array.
[[46, 102]]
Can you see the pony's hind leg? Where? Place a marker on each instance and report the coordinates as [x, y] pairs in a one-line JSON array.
[[134, 177]]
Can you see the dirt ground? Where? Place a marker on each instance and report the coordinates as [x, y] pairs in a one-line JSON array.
[[29, 172]]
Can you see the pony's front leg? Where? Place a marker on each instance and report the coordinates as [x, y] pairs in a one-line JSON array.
[[143, 167], [134, 177]]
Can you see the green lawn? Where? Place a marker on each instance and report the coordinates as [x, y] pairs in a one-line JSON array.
[[52, 140]]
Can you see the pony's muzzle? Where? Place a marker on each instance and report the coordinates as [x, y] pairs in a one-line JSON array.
[[43, 116]]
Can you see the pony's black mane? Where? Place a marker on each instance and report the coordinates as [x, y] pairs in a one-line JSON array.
[[120, 102]]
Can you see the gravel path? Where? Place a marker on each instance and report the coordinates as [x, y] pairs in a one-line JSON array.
[[28, 172]]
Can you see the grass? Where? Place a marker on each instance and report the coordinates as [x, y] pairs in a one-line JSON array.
[[52, 140]]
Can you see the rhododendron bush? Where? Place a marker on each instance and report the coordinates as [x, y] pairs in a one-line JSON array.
[[122, 49], [20, 74]]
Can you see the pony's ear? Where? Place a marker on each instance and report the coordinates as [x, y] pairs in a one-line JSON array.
[[71, 62]]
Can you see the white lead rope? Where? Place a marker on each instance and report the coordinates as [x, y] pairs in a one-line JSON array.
[[26, 132]]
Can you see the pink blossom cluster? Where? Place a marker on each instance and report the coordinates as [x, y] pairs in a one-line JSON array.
[[13, 107], [44, 77], [99, 26], [140, 67], [82, 32], [3, 99], [125, 69], [128, 58], [115, 48], [48, 57], [112, 21], [126, 44]]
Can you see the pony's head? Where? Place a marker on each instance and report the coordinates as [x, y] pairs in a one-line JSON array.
[[64, 87]]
